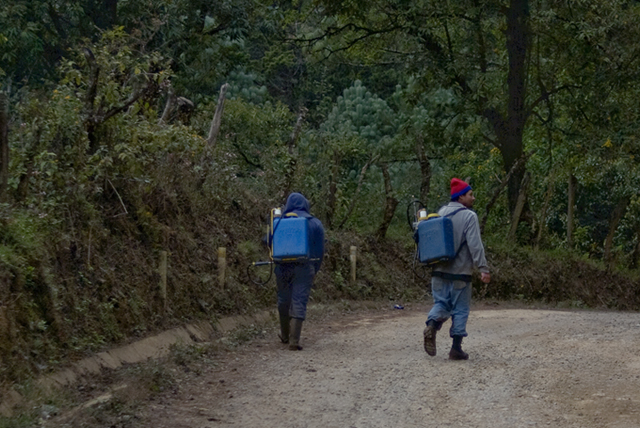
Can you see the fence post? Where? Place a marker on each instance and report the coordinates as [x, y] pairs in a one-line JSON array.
[[352, 257], [222, 265], [162, 270]]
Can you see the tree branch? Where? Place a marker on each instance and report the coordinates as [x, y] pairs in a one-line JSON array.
[[246, 158], [128, 103], [171, 97], [297, 129], [523, 159], [4, 146], [545, 96], [92, 90]]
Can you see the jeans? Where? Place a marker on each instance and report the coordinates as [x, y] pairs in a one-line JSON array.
[[451, 299], [294, 283]]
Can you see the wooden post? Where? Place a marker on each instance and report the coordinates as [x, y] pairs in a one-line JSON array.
[[352, 257], [222, 265], [162, 270], [217, 117]]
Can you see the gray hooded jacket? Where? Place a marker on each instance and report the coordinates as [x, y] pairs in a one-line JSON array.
[[465, 227]]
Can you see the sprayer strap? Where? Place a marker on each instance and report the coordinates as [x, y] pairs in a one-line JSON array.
[[460, 248], [451, 276], [451, 214]]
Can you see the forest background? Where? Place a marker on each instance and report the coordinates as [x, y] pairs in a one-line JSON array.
[[133, 127]]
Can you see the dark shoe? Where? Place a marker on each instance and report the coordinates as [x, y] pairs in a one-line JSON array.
[[429, 334], [294, 338], [458, 354], [284, 329]]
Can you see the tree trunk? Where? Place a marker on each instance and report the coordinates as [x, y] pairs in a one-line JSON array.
[[111, 8], [390, 205], [425, 170], [89, 98], [293, 142], [168, 107], [545, 208], [217, 117], [517, 46], [509, 130], [633, 264], [333, 188], [616, 216], [363, 173], [4, 147], [570, 209], [496, 193], [94, 117], [23, 184], [522, 198]]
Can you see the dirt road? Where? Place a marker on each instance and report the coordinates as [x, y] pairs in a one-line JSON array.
[[527, 368]]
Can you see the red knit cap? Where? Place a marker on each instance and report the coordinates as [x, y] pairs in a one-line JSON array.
[[458, 187]]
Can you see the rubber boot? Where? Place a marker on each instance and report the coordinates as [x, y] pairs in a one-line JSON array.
[[429, 335], [456, 352], [294, 338], [285, 321]]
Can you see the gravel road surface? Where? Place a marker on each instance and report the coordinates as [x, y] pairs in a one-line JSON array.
[[527, 368]]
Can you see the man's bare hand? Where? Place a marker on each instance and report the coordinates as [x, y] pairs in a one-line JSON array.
[[485, 277]]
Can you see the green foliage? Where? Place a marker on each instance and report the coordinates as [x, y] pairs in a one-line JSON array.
[[360, 113], [98, 188], [34, 35], [243, 86], [22, 421]]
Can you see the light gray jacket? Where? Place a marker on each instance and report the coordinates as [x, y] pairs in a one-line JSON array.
[[465, 226]]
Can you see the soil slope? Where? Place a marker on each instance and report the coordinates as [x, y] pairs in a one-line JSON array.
[[527, 368]]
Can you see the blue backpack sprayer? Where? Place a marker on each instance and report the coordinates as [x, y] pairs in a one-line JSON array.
[[433, 235], [288, 240]]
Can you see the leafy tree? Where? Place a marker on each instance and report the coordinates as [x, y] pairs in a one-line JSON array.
[[506, 61], [357, 131], [36, 34]]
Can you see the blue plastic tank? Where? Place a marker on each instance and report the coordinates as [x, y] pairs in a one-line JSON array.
[[435, 240], [291, 239]]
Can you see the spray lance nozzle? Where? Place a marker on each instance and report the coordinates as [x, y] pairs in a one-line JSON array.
[[275, 213]]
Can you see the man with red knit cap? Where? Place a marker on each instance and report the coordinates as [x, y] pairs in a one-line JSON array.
[[451, 281]]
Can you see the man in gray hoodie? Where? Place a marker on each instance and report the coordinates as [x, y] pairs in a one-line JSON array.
[[451, 281]]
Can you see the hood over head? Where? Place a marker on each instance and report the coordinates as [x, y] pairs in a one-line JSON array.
[[297, 204]]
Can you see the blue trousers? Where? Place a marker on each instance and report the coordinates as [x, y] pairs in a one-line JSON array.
[[294, 283], [451, 299]]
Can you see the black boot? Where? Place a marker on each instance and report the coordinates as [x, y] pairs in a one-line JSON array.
[[456, 352], [284, 328], [294, 339]]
